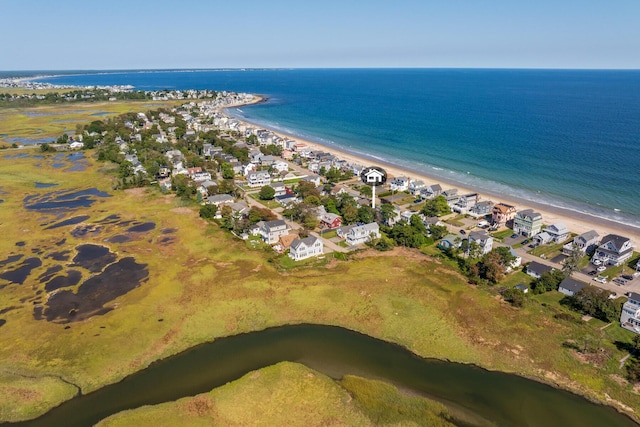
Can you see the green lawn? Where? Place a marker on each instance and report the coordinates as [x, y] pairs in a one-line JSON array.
[[502, 234]]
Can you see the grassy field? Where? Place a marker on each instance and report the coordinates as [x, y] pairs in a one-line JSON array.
[[284, 389], [51, 121], [203, 284]]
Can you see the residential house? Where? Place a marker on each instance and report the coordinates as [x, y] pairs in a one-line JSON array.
[[280, 166], [258, 179], [286, 199], [482, 239], [524, 288], [613, 249], [481, 209], [330, 220], [431, 191], [363, 233], [279, 188], [558, 232], [270, 231], [399, 183], [76, 145], [342, 232], [337, 190], [203, 188], [163, 172], [465, 203], [542, 238], [527, 222], [630, 315], [450, 241], [416, 186], [585, 242], [570, 286], [451, 195], [502, 215], [305, 248], [535, 269], [315, 179], [219, 199], [517, 260]]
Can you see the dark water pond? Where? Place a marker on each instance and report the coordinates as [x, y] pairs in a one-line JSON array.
[[139, 228], [44, 185], [20, 274], [71, 221], [94, 257], [504, 399], [72, 199]]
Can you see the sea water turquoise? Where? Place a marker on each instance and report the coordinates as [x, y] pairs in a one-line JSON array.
[[563, 138]]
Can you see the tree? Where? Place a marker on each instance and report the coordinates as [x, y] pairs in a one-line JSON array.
[[305, 188], [595, 302], [366, 214], [438, 231], [436, 207], [491, 267], [514, 296], [267, 193], [349, 214], [572, 262], [387, 212], [312, 200], [208, 211], [45, 148], [366, 190], [227, 171], [548, 281]]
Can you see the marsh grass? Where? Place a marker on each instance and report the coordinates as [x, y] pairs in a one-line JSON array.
[[206, 284]]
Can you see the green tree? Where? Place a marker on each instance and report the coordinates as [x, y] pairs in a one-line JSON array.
[[45, 148], [227, 171], [438, 231], [548, 281], [436, 207], [514, 296], [208, 211], [267, 193], [572, 262], [366, 214]]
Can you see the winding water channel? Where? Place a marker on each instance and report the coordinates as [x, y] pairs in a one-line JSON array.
[[503, 399]]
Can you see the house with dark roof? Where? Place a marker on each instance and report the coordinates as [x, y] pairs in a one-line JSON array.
[[630, 315], [613, 249], [535, 269], [570, 286], [482, 239]]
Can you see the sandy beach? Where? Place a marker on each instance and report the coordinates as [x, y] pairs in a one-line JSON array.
[[577, 222]]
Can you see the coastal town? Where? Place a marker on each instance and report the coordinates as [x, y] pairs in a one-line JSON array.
[[306, 202]]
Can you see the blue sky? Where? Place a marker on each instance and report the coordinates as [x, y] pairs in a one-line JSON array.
[[132, 34]]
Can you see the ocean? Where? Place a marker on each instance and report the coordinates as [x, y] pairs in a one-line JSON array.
[[562, 138]]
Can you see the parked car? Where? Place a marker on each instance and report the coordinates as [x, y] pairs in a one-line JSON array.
[[620, 281], [592, 273], [525, 241], [596, 262], [515, 235], [627, 277], [600, 279], [463, 232], [601, 268]]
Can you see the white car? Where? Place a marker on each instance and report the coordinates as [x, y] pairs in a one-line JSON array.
[[600, 279], [596, 262], [601, 268]]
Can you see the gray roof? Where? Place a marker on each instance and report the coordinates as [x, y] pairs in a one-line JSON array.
[[536, 267], [275, 223], [634, 296], [618, 241], [589, 235], [308, 241], [572, 284]]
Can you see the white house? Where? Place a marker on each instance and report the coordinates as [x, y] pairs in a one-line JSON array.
[[482, 239], [400, 183], [416, 186], [584, 242], [258, 179], [363, 233], [613, 250], [558, 232], [305, 248], [630, 315], [280, 166], [270, 231]]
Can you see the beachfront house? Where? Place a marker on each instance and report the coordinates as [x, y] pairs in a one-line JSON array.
[[400, 183], [481, 209], [431, 191], [482, 239], [613, 250], [305, 248], [465, 203], [558, 232], [630, 315], [527, 222], [363, 233], [585, 242], [416, 186], [502, 215], [570, 286]]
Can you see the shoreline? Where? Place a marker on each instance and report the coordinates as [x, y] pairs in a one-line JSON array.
[[577, 221]]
